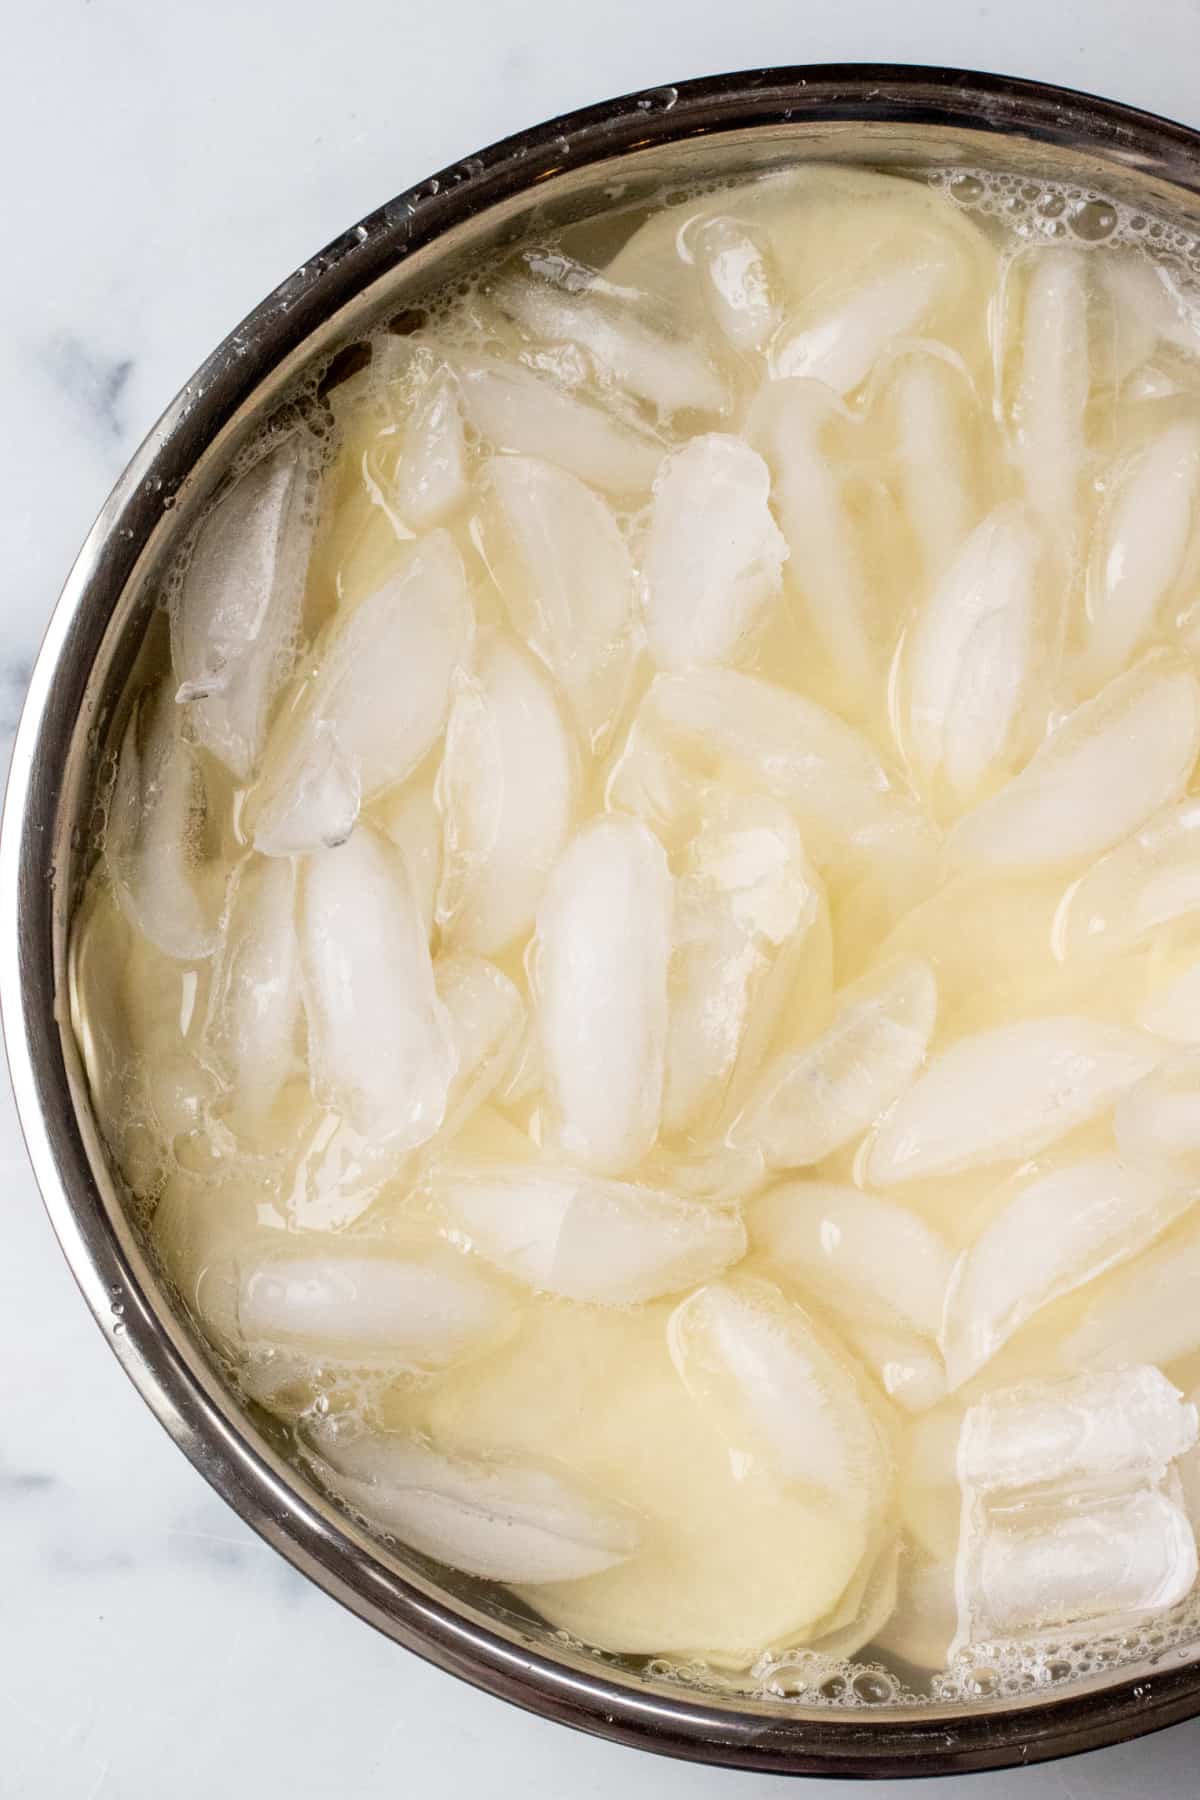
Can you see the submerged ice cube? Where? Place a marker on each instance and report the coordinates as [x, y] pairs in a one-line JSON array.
[[1173, 1012], [606, 1243], [811, 1101], [516, 410], [486, 1018], [780, 1390], [254, 1008], [500, 1518], [1007, 1092], [1157, 1123], [1099, 775], [506, 791], [156, 817], [1057, 1232], [1146, 1311], [671, 374], [841, 348], [825, 565], [1052, 391], [739, 283], [559, 560], [1145, 531], [927, 401], [858, 1254], [362, 1302], [603, 946], [378, 698], [877, 1267], [828, 773], [431, 475], [751, 940], [712, 556], [236, 614], [1148, 880], [971, 656], [380, 1045]]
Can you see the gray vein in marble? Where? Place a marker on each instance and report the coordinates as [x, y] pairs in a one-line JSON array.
[[93, 382]]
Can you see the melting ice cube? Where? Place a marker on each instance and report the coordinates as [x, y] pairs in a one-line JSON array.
[[602, 951], [516, 410], [811, 1101], [781, 1391], [376, 703], [499, 1518], [432, 476], [607, 1243], [380, 1045], [155, 818], [739, 283], [1100, 775], [506, 790], [1007, 1092], [254, 1004], [1057, 1232], [559, 560], [1147, 881], [713, 554], [236, 614]]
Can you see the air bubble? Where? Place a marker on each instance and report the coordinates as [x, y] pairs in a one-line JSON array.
[[1094, 221]]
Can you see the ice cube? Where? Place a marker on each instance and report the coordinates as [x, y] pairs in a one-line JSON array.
[[1052, 391], [781, 1391], [1138, 552], [381, 1050], [811, 1101], [254, 1008], [487, 1020], [971, 656], [857, 1622], [602, 951], [516, 410], [1055, 1233], [825, 566], [1145, 1312], [1099, 776], [828, 773], [841, 349], [1189, 1476], [378, 698], [155, 819], [605, 1243], [927, 401], [506, 791], [499, 1518], [751, 938], [431, 476], [559, 560], [236, 614], [1147, 881], [922, 1626], [1007, 1092], [908, 1367], [411, 819], [1093, 1429], [859, 1255], [712, 556], [1173, 1012], [361, 1302], [671, 374], [738, 282], [1103, 1562], [1157, 1123]]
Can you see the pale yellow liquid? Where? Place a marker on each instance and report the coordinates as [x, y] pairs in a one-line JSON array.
[[737, 1564]]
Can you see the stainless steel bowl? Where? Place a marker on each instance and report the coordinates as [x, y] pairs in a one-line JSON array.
[[733, 124]]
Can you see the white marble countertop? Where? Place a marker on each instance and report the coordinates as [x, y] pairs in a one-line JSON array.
[[164, 165]]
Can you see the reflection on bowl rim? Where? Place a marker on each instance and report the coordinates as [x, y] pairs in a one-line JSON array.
[[52, 756]]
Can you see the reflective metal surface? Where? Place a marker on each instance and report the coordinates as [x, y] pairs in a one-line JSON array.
[[567, 169]]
